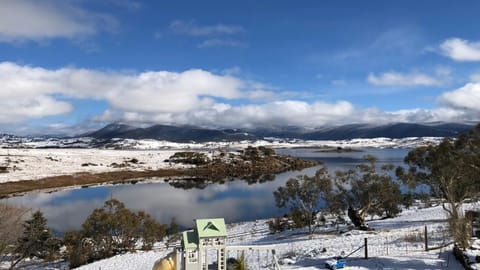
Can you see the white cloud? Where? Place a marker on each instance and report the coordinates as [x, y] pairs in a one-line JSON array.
[[214, 35], [17, 109], [160, 91], [277, 113], [217, 42], [401, 79], [192, 29], [196, 97], [460, 49], [464, 98], [29, 91], [37, 20]]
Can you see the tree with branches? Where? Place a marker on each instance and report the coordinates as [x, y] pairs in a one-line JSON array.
[[303, 195], [451, 170], [37, 241], [111, 230], [365, 190]]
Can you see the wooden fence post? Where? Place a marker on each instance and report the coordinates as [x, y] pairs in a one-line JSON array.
[[366, 248], [426, 239]]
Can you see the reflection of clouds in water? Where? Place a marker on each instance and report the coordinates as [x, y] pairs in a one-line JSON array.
[[163, 202], [38, 199], [216, 200], [70, 215], [212, 190], [234, 200], [63, 216]]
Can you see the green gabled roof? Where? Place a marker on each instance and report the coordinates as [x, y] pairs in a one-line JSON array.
[[212, 227], [190, 240]]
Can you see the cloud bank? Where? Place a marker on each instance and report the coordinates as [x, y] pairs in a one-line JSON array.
[[197, 97]]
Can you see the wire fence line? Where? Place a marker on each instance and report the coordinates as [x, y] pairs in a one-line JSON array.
[[409, 241]]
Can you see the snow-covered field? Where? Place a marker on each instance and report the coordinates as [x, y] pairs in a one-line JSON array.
[[395, 244], [8, 141], [30, 164], [29, 160]]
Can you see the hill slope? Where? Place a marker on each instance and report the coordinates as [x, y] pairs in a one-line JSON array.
[[169, 133]]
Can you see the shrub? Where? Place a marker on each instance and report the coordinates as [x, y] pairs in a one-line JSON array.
[[278, 224], [241, 263], [80, 250], [111, 230], [193, 158]]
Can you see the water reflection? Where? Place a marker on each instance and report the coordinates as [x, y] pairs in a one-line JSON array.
[[233, 200]]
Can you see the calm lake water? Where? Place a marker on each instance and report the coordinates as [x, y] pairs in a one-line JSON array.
[[235, 201]]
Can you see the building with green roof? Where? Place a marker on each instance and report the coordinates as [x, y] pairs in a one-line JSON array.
[[208, 234]]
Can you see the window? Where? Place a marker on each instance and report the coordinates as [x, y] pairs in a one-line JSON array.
[[219, 241], [207, 242], [192, 256]]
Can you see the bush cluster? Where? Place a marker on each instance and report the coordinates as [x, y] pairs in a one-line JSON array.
[[111, 230], [191, 158], [107, 231]]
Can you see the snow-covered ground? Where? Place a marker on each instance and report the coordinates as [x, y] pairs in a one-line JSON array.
[[29, 160], [30, 164], [395, 244], [279, 143], [8, 141]]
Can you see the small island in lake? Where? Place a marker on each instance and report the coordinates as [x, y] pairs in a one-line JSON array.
[[339, 149]]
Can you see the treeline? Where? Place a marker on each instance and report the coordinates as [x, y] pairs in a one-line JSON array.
[[107, 231], [450, 170], [365, 190]]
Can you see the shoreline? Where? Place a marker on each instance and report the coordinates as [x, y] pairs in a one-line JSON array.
[[85, 179], [254, 164]]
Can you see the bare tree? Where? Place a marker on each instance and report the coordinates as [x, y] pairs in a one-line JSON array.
[[11, 219]]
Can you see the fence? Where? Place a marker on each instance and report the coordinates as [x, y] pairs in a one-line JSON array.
[[408, 241], [400, 242]]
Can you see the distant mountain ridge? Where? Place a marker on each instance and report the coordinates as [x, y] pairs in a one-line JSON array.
[[169, 133], [366, 131], [353, 131]]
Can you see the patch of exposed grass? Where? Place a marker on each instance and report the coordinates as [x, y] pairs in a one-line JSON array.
[[81, 179]]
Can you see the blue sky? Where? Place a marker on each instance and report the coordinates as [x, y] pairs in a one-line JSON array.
[[71, 66]]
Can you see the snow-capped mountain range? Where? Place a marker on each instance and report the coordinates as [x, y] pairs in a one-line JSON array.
[[122, 136]]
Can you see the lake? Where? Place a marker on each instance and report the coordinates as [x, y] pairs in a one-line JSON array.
[[234, 200]]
